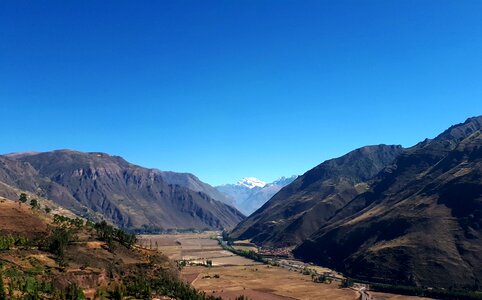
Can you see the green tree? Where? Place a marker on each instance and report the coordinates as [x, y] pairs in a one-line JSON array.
[[346, 283], [3, 293], [23, 198], [59, 239], [119, 292], [34, 203], [47, 209], [73, 292]]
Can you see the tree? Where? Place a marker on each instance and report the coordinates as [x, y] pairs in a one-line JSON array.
[[23, 198], [34, 203], [108, 234], [47, 209], [346, 283], [3, 293], [59, 239], [73, 292]]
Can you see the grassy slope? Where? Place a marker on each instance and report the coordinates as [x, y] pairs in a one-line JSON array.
[[89, 263]]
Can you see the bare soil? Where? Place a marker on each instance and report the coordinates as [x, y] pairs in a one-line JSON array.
[[19, 219]]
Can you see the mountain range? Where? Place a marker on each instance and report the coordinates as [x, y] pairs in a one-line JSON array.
[[410, 216], [384, 213], [100, 186], [251, 193]]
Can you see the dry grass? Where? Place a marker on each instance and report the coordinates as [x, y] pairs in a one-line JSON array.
[[239, 275], [262, 282], [20, 219], [233, 275]]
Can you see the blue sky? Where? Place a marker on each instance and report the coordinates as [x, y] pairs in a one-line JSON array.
[[228, 89]]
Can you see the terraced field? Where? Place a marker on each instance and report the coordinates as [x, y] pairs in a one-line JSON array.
[[232, 275]]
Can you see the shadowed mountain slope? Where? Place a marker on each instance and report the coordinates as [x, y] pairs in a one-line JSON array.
[[421, 221], [306, 204], [193, 183]]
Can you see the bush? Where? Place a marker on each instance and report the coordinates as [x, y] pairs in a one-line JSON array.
[[59, 238], [34, 204], [7, 242], [3, 293], [23, 198], [108, 233], [346, 283], [73, 292]]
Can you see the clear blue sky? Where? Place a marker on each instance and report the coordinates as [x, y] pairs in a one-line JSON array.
[[227, 89]]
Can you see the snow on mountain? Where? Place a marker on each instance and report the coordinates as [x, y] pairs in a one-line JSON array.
[[251, 193], [252, 182]]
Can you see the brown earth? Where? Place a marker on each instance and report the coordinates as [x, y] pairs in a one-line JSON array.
[[89, 262], [20, 219], [263, 282], [241, 276]]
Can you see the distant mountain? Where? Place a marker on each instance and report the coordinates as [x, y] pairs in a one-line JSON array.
[[251, 183], [250, 193], [97, 184], [301, 207]]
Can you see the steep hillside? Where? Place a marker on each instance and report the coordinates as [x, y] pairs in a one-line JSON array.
[[300, 208], [421, 221], [93, 184], [49, 257], [193, 183], [20, 220]]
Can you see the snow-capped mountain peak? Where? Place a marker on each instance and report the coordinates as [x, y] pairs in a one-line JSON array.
[[252, 182], [250, 193]]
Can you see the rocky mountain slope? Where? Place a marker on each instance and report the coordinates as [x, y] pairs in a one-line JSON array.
[[420, 223], [300, 208], [193, 183], [250, 193], [97, 184]]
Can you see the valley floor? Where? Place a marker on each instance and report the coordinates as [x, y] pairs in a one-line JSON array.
[[232, 275]]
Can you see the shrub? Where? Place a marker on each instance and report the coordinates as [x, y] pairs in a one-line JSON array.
[[34, 203], [59, 238], [3, 293], [23, 198], [346, 283], [73, 292]]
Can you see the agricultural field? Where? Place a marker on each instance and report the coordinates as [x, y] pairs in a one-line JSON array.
[[194, 248], [262, 282], [232, 275]]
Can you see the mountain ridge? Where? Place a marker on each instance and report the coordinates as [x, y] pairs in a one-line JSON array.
[[299, 208], [90, 183], [410, 221]]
